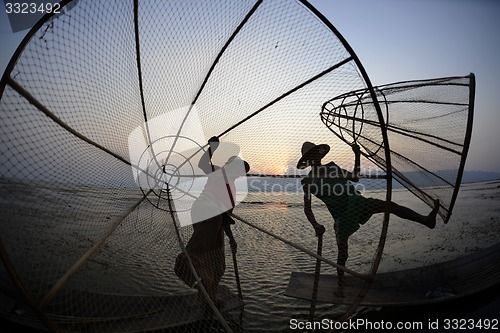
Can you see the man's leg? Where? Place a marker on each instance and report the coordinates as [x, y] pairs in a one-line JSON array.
[[407, 213], [214, 272], [342, 255], [183, 271]]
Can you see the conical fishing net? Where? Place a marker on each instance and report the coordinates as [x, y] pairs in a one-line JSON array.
[[106, 112], [429, 124]]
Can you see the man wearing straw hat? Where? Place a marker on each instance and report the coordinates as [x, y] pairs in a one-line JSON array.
[[349, 209]]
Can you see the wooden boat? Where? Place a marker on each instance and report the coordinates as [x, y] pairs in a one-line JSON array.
[[416, 286], [82, 310]]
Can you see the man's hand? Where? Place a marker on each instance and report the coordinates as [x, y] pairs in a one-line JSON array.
[[214, 143], [320, 229]]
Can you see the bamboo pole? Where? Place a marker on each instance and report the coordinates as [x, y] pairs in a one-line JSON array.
[[83, 259], [317, 273], [22, 289]]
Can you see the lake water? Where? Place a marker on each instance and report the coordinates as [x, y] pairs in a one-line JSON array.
[[138, 258]]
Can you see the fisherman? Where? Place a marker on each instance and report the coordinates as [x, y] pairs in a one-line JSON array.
[[349, 209], [210, 217]]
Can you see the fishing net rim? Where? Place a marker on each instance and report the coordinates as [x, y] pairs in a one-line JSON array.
[[6, 77]]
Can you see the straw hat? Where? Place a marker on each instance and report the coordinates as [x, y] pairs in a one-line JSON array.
[[312, 151]]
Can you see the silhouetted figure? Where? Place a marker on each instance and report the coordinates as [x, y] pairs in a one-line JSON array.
[[349, 209], [210, 218]]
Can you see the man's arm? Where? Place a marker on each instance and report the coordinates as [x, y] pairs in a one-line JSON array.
[[320, 230], [205, 163], [354, 175], [357, 160]]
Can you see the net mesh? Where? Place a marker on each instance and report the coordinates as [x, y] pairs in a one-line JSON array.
[[105, 118]]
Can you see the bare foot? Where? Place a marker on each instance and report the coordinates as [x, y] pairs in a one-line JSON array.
[[431, 219]]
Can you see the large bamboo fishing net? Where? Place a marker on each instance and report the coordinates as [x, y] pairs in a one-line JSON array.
[[105, 113], [428, 122]]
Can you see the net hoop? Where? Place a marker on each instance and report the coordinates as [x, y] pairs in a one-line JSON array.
[[161, 202], [344, 115], [159, 175]]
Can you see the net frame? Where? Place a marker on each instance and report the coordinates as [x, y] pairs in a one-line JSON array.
[[8, 80], [396, 97]]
